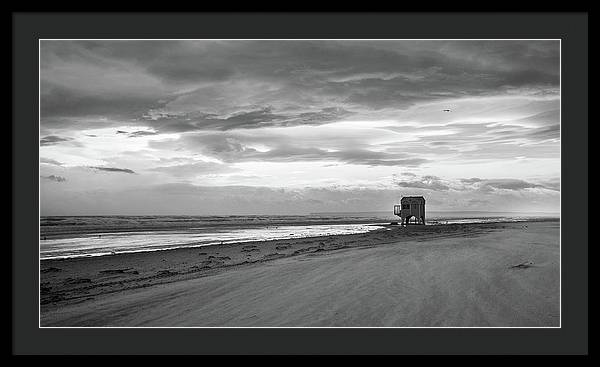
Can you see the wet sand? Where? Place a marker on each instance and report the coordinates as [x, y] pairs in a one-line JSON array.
[[493, 274]]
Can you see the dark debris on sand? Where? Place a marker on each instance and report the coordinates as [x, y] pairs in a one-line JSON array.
[[523, 265]]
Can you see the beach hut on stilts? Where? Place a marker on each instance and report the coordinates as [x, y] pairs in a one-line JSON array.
[[411, 210]]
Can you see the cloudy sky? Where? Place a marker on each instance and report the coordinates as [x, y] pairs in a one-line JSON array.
[[293, 127]]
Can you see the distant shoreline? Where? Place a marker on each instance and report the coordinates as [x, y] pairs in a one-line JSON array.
[[533, 214], [191, 245]]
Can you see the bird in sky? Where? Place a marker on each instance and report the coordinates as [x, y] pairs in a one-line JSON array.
[[446, 110]]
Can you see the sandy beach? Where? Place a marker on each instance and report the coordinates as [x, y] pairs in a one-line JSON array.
[[486, 274]]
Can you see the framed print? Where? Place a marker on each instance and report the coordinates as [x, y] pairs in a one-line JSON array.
[[243, 177]]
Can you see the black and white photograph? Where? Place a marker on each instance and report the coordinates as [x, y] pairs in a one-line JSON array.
[[300, 183]]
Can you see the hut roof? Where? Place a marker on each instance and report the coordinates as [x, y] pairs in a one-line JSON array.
[[413, 199]]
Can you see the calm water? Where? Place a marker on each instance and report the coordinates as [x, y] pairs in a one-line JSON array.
[[75, 236]]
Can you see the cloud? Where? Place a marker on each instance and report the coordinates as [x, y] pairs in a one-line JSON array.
[[348, 156], [434, 183], [507, 184], [348, 113], [510, 184], [425, 182], [263, 117], [135, 134], [194, 169], [55, 178], [51, 140], [50, 161], [113, 169], [478, 202], [69, 105], [471, 180], [552, 184], [138, 133], [251, 84], [238, 148]]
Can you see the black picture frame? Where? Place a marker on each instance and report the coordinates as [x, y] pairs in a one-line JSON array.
[[571, 338]]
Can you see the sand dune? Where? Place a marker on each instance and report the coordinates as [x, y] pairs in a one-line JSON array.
[[455, 275]]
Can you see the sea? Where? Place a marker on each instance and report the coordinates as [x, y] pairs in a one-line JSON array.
[[83, 236]]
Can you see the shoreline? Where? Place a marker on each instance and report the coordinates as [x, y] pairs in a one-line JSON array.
[[53, 233], [71, 284], [192, 245]]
